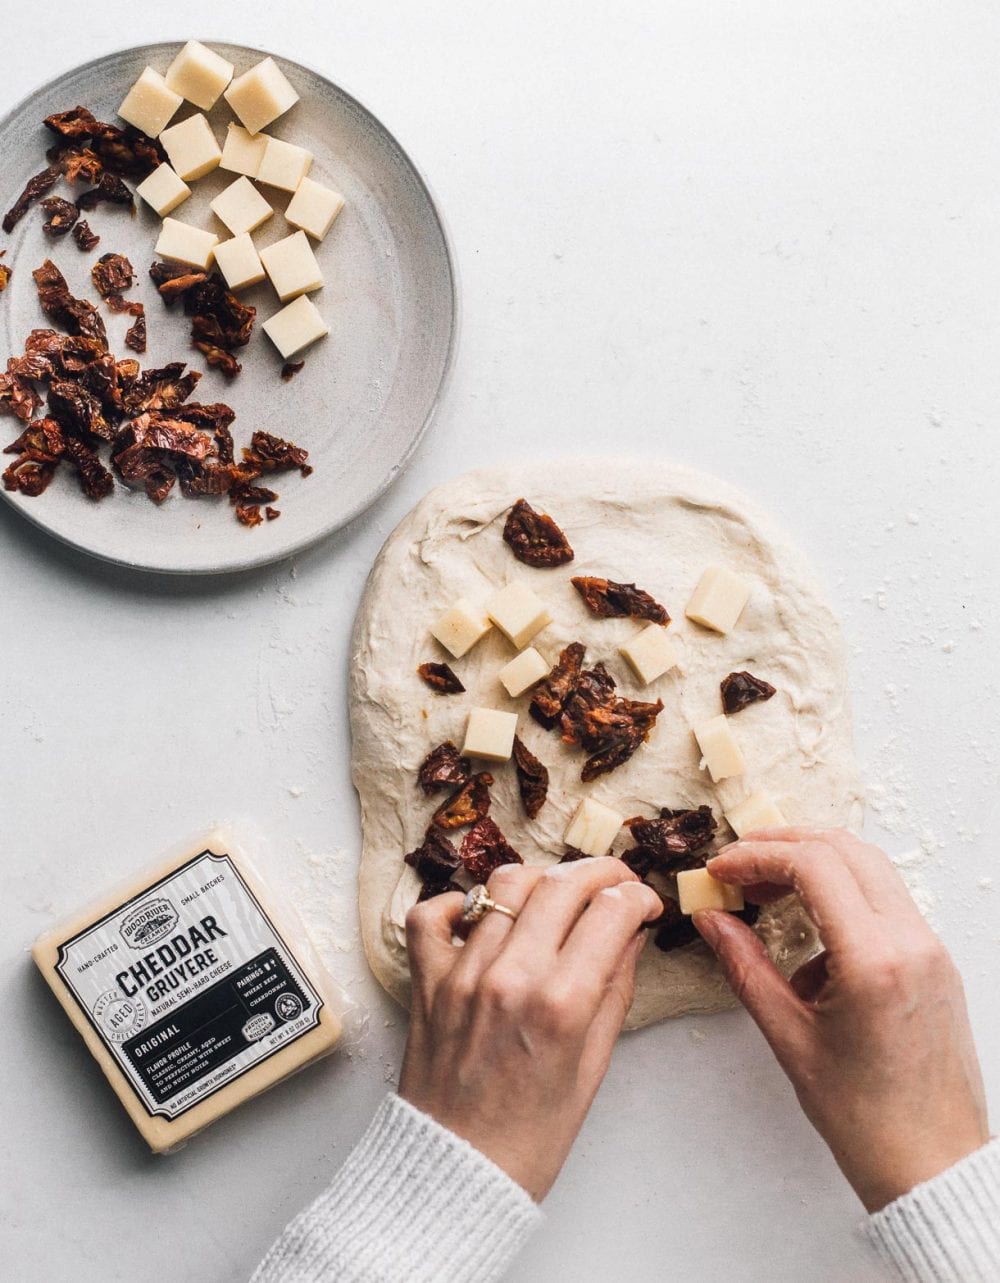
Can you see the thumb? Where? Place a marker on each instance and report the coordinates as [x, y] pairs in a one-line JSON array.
[[781, 1016]]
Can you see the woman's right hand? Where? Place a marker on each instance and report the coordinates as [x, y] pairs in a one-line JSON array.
[[873, 1032]]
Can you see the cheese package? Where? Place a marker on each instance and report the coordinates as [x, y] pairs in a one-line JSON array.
[[193, 988]]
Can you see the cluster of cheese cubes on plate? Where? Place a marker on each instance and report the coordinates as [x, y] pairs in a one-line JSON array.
[[716, 604], [258, 97]]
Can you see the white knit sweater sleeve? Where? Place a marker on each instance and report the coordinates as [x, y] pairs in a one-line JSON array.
[[413, 1201], [948, 1229]]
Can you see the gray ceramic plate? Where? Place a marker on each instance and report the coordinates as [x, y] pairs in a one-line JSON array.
[[367, 391]]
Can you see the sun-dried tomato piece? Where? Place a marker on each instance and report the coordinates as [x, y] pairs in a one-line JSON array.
[[173, 281], [435, 862], [248, 516], [534, 537], [484, 848], [112, 275], [268, 453], [440, 678], [34, 190], [5, 274], [28, 476], [39, 449], [218, 318], [110, 189], [95, 480], [605, 598], [613, 755], [741, 689], [161, 389], [290, 369], [469, 804], [673, 929], [673, 839], [127, 151], [551, 693], [532, 778], [135, 335], [17, 391], [77, 164], [220, 359], [272, 514], [75, 315], [84, 237], [78, 411], [571, 855], [62, 215], [78, 122]]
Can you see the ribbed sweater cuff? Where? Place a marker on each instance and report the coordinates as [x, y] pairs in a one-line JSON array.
[[948, 1229], [413, 1201]]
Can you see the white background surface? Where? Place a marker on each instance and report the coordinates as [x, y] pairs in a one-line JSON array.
[[760, 239]]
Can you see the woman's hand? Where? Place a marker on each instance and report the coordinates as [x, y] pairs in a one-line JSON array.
[[873, 1032], [510, 1035]]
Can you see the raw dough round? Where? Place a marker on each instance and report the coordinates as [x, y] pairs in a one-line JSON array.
[[654, 524]]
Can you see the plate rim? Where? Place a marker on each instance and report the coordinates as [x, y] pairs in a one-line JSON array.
[[444, 382]]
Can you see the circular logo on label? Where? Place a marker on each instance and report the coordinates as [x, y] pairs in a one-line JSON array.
[[119, 1018], [258, 1026], [288, 1006]]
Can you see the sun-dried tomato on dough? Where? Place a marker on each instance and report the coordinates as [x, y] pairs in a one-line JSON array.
[[466, 806], [532, 778], [534, 537], [740, 689], [672, 839], [484, 848], [61, 216], [440, 678], [549, 696], [605, 598]]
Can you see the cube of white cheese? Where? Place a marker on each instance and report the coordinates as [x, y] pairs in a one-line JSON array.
[[460, 627], [719, 750], [199, 74], [758, 811], [283, 165], [489, 734], [518, 613], [718, 601], [150, 103], [650, 653], [181, 243], [593, 827], [241, 207], [295, 327], [313, 208], [191, 147], [163, 190], [261, 95], [523, 671], [292, 266], [238, 261], [697, 890], [242, 152]]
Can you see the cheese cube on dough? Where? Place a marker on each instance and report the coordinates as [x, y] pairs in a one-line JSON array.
[[238, 261], [181, 243], [697, 890], [163, 190], [261, 95], [283, 165], [460, 627], [150, 103], [191, 147], [295, 327], [292, 266], [719, 750], [758, 811], [523, 671], [313, 208], [241, 207], [490, 733], [518, 613], [242, 152], [651, 653], [593, 827], [718, 601], [199, 74]]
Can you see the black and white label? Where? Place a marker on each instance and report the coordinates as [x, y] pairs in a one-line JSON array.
[[189, 984]]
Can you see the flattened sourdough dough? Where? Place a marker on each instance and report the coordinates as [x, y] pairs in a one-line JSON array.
[[657, 525]]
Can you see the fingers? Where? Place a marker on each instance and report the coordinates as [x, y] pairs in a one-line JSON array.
[[607, 1023], [557, 900], [511, 885], [757, 982], [605, 932], [430, 926]]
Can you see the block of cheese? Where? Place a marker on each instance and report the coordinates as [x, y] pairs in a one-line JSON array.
[[238, 261], [191, 147], [163, 190], [295, 327], [292, 266], [283, 165], [489, 734], [758, 811], [518, 613], [593, 827], [199, 74], [523, 671], [261, 95], [313, 208], [697, 890], [719, 749], [242, 152], [181, 243], [718, 601], [650, 653], [150, 103], [193, 987], [241, 207], [460, 627]]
